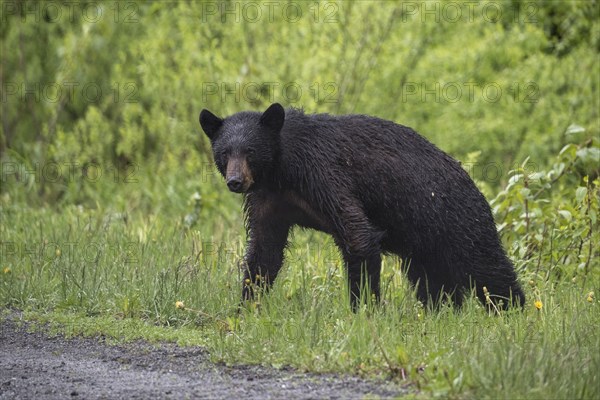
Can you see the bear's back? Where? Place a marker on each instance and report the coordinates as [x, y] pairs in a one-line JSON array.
[[403, 181]]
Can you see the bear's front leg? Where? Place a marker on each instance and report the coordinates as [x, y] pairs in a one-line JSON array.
[[263, 261], [268, 234]]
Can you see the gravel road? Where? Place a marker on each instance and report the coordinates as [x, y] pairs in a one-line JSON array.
[[41, 366]]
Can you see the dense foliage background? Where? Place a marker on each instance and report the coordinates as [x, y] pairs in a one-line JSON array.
[[121, 84], [100, 144]]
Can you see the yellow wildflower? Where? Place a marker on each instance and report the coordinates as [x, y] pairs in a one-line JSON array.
[[590, 297], [538, 304], [7, 270], [179, 304]]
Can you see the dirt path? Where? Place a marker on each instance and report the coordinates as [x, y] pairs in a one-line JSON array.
[[38, 366]]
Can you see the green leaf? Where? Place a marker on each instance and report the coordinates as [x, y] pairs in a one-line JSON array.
[[580, 193], [565, 214], [514, 179], [568, 147], [574, 128], [525, 192], [589, 154], [559, 168]]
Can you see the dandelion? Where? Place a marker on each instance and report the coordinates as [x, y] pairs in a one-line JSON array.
[[532, 283], [7, 270], [247, 281], [538, 304], [179, 304], [590, 297], [488, 300], [58, 252]]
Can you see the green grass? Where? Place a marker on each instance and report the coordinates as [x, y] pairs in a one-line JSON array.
[[94, 272]]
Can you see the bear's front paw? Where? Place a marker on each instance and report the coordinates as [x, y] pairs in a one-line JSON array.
[[247, 290]]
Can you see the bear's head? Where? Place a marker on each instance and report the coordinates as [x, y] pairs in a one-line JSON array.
[[245, 145]]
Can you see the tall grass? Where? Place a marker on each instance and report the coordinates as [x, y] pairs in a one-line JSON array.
[[121, 275]]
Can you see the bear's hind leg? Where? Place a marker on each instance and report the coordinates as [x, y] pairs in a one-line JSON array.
[[360, 244], [363, 272], [499, 278], [358, 239], [431, 290], [502, 296]]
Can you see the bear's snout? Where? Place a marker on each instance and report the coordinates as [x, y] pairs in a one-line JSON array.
[[235, 184], [238, 176]]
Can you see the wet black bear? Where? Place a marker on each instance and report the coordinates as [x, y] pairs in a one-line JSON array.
[[375, 186]]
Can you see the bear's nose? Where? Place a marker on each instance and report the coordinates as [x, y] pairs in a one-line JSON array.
[[234, 184]]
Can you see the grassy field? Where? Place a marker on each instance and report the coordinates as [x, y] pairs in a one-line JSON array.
[[114, 221], [93, 272]]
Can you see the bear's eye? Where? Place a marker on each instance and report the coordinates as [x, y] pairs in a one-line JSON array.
[[222, 154]]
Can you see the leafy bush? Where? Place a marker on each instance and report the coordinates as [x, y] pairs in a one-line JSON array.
[[125, 89], [549, 218]]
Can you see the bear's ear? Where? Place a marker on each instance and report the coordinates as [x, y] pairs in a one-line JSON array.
[[273, 117], [210, 123]]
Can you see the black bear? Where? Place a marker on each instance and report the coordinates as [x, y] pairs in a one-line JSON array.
[[375, 186]]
